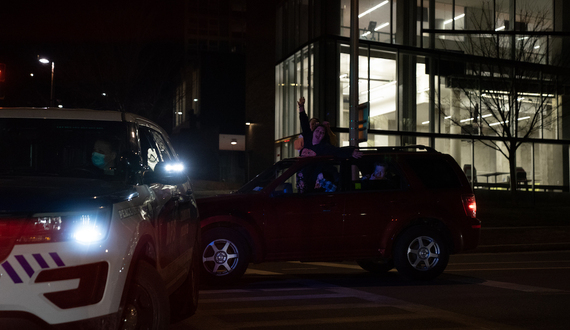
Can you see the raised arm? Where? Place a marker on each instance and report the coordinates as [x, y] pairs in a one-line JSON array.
[[304, 119]]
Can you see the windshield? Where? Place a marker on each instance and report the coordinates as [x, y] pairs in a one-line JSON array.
[[263, 179], [66, 148]]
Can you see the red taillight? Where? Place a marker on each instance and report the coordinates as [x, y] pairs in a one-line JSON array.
[[470, 205], [9, 231]]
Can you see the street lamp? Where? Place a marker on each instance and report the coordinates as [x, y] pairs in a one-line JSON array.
[[46, 61]]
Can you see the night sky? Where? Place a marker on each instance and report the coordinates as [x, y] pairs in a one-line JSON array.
[[129, 50]]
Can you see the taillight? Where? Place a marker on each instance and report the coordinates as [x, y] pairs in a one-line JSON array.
[[470, 205]]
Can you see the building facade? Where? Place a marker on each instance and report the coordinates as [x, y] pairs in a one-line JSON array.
[[483, 80]]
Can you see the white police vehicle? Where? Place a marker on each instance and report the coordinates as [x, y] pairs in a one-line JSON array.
[[98, 223]]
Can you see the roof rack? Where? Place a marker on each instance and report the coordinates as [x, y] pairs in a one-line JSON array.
[[417, 147]]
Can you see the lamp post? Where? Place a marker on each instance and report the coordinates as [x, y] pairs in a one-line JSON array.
[[46, 61]]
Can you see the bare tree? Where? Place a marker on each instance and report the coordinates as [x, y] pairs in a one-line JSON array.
[[510, 90]]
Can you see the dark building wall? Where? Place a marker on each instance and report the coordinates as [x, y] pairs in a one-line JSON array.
[[260, 85]]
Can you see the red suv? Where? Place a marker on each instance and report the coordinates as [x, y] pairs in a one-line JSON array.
[[408, 207]]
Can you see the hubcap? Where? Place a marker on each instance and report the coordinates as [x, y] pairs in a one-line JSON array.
[[423, 253], [220, 257]]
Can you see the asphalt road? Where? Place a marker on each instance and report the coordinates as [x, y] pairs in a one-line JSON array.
[[518, 290]]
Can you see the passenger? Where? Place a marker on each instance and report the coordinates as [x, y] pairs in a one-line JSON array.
[[379, 172], [305, 152], [332, 137], [319, 141], [325, 182], [299, 142], [103, 156]]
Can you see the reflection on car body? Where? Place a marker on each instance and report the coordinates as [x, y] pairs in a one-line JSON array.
[[422, 211]]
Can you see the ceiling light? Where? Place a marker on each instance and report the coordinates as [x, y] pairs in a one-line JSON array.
[[372, 9]]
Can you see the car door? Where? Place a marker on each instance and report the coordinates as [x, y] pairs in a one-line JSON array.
[[371, 207], [173, 207], [304, 221]]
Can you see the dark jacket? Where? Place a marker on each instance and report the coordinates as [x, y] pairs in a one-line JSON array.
[[323, 148]]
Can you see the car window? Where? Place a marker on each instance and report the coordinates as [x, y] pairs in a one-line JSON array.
[[153, 147], [263, 179], [66, 148], [434, 172], [377, 173], [320, 177]]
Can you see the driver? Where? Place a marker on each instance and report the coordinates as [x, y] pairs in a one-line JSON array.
[[103, 156]]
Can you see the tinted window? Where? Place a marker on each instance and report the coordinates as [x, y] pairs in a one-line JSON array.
[[59, 147], [319, 177], [434, 172], [377, 173], [266, 177]]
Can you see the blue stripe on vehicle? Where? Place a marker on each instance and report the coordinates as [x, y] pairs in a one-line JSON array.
[[25, 265], [40, 260], [57, 259], [11, 272]]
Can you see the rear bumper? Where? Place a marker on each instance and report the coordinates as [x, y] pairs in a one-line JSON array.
[[471, 235]]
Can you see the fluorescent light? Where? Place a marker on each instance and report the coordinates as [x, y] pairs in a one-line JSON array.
[[464, 120], [536, 47], [523, 118], [447, 117], [487, 115], [499, 122], [500, 28], [372, 9], [365, 34], [425, 122], [453, 19]]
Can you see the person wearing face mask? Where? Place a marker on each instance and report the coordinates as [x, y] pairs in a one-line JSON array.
[[103, 156], [318, 140]]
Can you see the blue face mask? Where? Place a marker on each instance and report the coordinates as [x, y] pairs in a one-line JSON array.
[[98, 160]]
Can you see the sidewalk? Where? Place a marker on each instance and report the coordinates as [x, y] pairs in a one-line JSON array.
[[519, 239], [537, 222]]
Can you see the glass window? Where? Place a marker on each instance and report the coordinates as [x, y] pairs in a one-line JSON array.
[[323, 177], [62, 148], [377, 173], [374, 20], [435, 173], [382, 90], [548, 166]]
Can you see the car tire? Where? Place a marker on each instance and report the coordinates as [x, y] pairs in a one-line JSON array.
[[184, 301], [376, 266], [420, 254], [225, 256], [146, 304]]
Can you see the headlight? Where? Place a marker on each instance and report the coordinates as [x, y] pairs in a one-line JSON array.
[[85, 227]]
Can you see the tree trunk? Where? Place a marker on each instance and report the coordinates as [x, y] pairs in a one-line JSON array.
[[513, 174]]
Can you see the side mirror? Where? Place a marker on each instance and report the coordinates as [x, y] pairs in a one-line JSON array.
[[283, 189], [167, 173]]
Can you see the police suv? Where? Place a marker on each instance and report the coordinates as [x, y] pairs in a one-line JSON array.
[[98, 223]]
